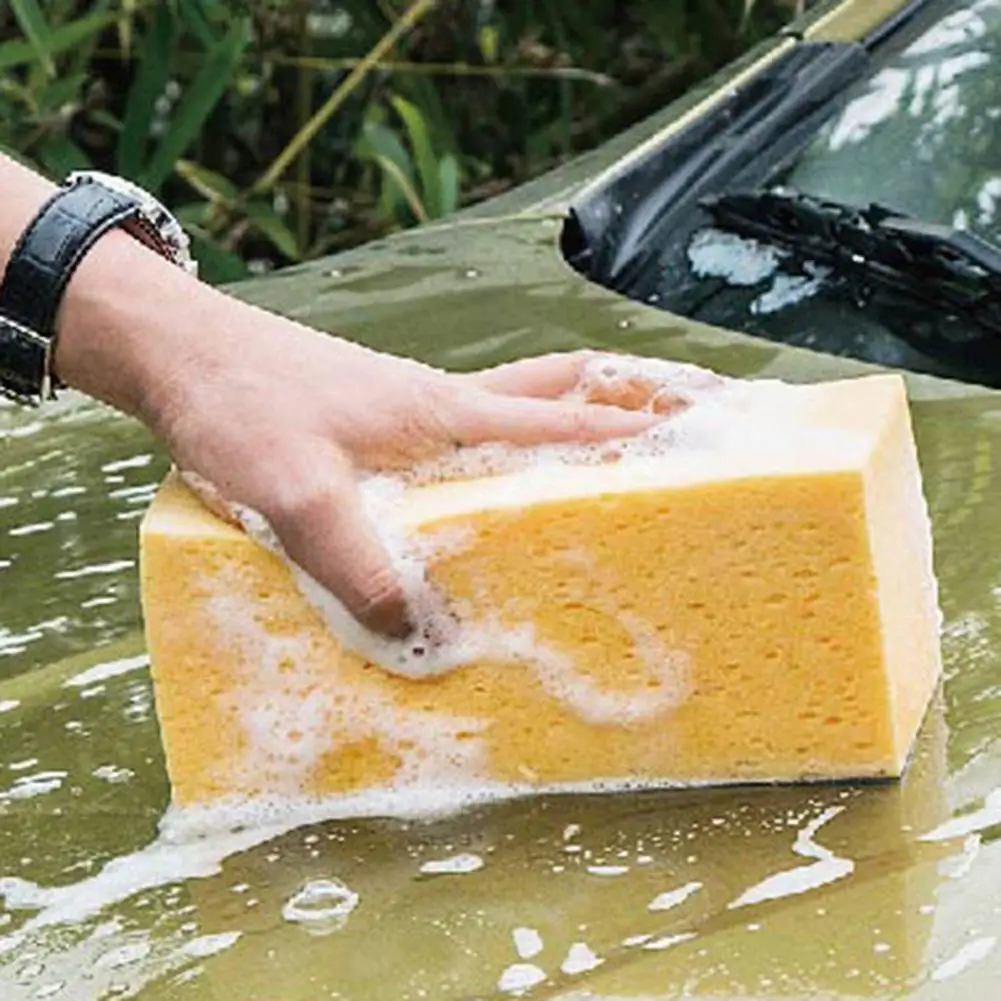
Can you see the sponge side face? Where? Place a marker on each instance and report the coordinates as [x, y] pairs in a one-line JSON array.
[[708, 634], [719, 634], [903, 562], [777, 627]]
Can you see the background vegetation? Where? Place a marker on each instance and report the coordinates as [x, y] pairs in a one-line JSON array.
[[280, 130]]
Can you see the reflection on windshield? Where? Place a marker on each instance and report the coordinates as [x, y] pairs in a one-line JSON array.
[[923, 135], [920, 135]]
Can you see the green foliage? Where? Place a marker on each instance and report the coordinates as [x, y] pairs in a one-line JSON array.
[[284, 129], [417, 182]]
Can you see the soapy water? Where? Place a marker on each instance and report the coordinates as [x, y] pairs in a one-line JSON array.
[[827, 867], [703, 414], [322, 906], [743, 262], [326, 908], [293, 718]]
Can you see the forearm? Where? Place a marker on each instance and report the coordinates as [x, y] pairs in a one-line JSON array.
[[131, 326], [23, 193], [120, 333]]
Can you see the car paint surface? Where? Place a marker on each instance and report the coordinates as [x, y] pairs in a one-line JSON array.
[[886, 891]]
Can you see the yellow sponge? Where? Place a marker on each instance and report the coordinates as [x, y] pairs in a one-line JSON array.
[[752, 601]]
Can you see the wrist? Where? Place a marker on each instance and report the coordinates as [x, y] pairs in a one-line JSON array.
[[70, 269], [120, 335]]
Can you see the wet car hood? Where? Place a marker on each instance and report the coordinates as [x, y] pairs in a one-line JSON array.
[[858, 891]]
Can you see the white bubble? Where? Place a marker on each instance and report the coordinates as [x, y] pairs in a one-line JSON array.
[[527, 942], [714, 253], [123, 955], [608, 870], [210, 945], [580, 959], [322, 906], [456, 865], [673, 898], [113, 774], [520, 977]]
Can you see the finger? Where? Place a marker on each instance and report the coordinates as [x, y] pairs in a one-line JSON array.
[[636, 393], [209, 495], [486, 417], [663, 387], [546, 376], [321, 522]]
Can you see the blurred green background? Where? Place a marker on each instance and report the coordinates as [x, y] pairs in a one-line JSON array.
[[280, 130]]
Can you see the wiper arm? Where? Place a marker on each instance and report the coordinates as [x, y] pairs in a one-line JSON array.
[[875, 247]]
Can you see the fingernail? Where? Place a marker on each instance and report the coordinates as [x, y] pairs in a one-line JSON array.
[[390, 620]]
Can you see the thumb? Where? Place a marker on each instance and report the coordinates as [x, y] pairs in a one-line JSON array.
[[489, 417], [322, 524]]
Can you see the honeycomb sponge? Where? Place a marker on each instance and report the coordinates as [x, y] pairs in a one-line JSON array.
[[745, 595]]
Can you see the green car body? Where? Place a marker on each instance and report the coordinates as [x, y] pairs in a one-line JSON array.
[[868, 891]]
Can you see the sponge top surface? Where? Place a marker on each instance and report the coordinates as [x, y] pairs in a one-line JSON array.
[[736, 430]]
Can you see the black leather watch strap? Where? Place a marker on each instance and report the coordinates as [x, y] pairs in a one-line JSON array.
[[24, 363], [40, 267], [46, 255]]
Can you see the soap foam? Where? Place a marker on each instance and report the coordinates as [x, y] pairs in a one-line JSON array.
[[703, 412], [294, 711], [291, 707], [740, 261], [262, 817], [292, 714]]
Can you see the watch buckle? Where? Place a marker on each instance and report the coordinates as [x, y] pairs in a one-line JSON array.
[[46, 385]]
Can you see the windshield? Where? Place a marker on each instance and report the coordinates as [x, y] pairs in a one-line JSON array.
[[917, 130], [923, 134]]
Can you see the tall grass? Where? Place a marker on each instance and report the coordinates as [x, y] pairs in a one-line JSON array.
[[280, 130]]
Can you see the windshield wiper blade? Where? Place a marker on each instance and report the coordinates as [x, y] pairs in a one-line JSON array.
[[873, 248]]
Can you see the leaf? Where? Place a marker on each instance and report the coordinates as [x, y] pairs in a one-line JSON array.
[[17, 156], [148, 85], [67, 36], [65, 90], [104, 118], [193, 213], [378, 138], [264, 218], [14, 92], [448, 183], [489, 43], [193, 13], [208, 183], [126, 26], [59, 155], [403, 184], [380, 142], [29, 16], [669, 25], [215, 264], [420, 143], [198, 103]]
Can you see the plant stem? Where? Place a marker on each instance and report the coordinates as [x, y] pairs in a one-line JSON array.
[[305, 135], [303, 173]]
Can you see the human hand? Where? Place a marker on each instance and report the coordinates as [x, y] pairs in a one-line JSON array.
[[281, 418], [286, 426]]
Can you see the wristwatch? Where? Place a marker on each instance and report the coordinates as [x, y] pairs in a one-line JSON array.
[[86, 206]]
